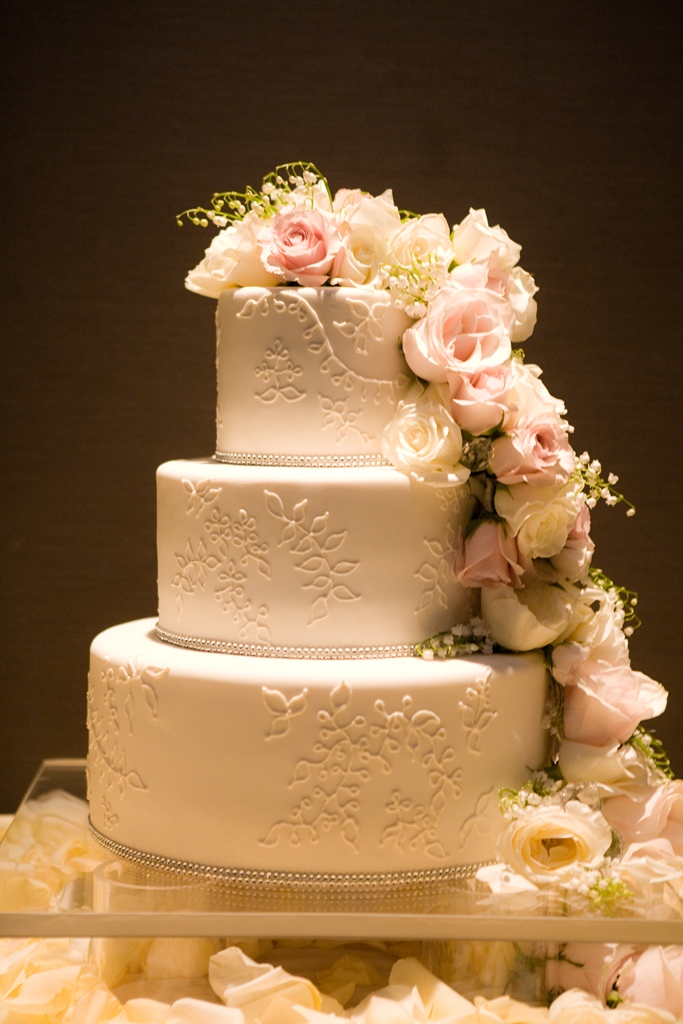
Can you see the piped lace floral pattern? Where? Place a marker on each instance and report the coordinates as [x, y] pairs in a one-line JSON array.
[[349, 752], [437, 571], [476, 711], [128, 691], [279, 374], [313, 545]]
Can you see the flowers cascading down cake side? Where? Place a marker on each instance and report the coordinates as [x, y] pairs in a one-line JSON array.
[[383, 656]]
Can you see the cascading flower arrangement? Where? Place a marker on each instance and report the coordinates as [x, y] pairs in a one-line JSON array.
[[604, 819]]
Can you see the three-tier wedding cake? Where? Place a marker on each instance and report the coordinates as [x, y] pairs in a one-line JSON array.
[[390, 480]]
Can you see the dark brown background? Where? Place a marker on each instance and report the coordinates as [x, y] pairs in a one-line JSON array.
[[560, 119]]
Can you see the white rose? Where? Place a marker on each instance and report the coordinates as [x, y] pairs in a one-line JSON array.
[[521, 297], [368, 223], [595, 626], [539, 517], [420, 236], [523, 620], [610, 765], [231, 261], [547, 843], [529, 396], [474, 239], [424, 441]]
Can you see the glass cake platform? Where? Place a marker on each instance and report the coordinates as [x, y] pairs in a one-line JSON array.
[[60, 883]]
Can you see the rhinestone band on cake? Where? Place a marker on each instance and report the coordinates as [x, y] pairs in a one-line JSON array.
[[292, 881], [264, 651], [310, 461]]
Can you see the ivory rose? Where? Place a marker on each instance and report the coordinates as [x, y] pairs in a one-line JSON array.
[[546, 844], [594, 634], [231, 261], [480, 401], [425, 442], [655, 978], [611, 764], [576, 1007], [368, 225], [539, 517], [522, 620], [420, 236], [299, 245], [536, 451], [649, 812], [489, 556], [474, 239], [608, 702], [530, 397], [574, 560], [465, 330]]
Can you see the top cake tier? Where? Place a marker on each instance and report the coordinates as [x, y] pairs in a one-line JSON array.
[[307, 372]]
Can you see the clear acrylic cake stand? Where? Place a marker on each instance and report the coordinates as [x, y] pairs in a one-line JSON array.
[[118, 899]]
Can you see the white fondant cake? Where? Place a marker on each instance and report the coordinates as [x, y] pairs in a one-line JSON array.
[[366, 765], [299, 557], [307, 371], [287, 726]]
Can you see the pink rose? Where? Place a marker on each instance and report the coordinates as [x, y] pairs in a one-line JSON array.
[[479, 401], [608, 702], [465, 330], [646, 864], [655, 978], [489, 556], [300, 245], [536, 451], [648, 813], [574, 560], [591, 966]]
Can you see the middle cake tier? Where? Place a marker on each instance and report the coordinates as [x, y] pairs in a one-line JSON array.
[[339, 562]]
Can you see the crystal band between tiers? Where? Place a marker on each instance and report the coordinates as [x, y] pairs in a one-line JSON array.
[[262, 651], [306, 461], [291, 881]]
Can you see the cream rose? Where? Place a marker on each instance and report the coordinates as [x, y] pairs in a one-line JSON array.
[[608, 702], [368, 223], [523, 620], [546, 844], [480, 401], [611, 764], [539, 517], [574, 560], [489, 556], [231, 261], [465, 330], [536, 451], [475, 240], [299, 245], [530, 397], [423, 441], [420, 236]]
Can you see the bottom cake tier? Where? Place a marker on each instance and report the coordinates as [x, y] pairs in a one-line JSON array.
[[254, 765]]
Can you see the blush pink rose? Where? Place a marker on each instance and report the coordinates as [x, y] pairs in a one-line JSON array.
[[590, 966], [489, 556], [655, 978], [300, 246], [574, 560], [536, 451], [649, 813], [466, 329], [608, 702], [480, 401]]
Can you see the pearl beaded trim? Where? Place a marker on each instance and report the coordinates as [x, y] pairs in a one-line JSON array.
[[255, 880], [262, 651], [307, 461]]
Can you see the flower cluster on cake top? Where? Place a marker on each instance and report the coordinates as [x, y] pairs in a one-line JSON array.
[[603, 819]]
